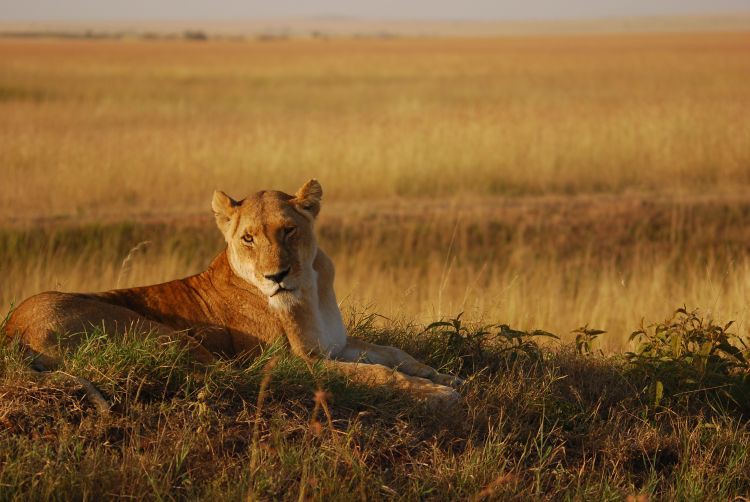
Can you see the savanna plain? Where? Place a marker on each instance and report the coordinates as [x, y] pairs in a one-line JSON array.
[[512, 188]]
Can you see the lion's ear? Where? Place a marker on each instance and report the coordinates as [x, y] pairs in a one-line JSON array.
[[308, 197], [224, 208]]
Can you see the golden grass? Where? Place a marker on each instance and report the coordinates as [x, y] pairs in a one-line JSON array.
[[553, 263], [415, 136], [133, 127]]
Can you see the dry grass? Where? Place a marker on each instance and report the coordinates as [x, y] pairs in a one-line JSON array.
[[123, 128], [462, 156], [553, 263], [532, 425], [541, 182]]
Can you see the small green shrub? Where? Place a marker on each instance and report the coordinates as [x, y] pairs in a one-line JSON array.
[[688, 355], [585, 338], [475, 347]]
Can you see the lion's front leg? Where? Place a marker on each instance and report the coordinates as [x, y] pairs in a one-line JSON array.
[[435, 394], [357, 350]]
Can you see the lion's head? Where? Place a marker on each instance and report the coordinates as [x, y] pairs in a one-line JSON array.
[[271, 240]]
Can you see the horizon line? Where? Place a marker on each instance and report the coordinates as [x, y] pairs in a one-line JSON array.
[[388, 19]]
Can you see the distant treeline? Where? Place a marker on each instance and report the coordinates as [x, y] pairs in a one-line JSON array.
[[90, 34], [196, 35]]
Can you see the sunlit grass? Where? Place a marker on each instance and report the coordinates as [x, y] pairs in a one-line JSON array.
[[516, 265], [113, 128], [553, 183]]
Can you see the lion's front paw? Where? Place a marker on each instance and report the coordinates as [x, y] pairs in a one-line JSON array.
[[442, 397], [448, 380]]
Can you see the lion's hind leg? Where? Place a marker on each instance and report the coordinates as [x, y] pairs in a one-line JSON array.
[[51, 324]]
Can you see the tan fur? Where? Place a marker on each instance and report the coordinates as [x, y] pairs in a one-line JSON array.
[[237, 305]]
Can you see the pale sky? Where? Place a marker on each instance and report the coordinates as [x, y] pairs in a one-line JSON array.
[[164, 10]]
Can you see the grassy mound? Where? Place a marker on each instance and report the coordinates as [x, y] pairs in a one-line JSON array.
[[549, 421]]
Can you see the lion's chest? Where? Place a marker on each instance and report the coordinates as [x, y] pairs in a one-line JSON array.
[[329, 330], [316, 320]]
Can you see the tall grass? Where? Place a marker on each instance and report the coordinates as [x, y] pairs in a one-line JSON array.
[[538, 264], [111, 128], [453, 168], [554, 183]]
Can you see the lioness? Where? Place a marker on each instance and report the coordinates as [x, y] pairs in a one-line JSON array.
[[271, 281]]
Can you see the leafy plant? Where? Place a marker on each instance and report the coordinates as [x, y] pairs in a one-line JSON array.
[[478, 346], [585, 338], [690, 355]]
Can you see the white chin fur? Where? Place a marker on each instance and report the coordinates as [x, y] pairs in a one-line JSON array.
[[284, 300]]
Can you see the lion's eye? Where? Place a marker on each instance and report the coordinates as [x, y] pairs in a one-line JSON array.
[[289, 231], [247, 239]]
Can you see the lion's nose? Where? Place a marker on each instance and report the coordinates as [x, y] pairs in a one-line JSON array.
[[278, 276]]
